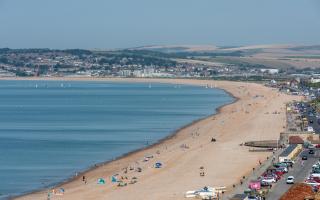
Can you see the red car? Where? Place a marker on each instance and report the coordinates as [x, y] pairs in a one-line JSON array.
[[280, 173], [274, 175], [316, 179]]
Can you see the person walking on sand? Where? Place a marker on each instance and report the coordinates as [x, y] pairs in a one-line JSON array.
[[84, 179]]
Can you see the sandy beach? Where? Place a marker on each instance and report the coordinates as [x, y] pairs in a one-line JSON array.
[[224, 162]]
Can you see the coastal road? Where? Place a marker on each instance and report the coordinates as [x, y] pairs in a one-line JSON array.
[[315, 125], [298, 171]]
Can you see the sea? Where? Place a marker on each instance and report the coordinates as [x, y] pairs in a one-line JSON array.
[[51, 130]]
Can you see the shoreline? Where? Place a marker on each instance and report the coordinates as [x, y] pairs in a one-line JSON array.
[[168, 139], [97, 165]]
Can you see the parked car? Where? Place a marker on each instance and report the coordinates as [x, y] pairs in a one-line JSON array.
[[312, 183], [290, 180], [279, 173], [315, 178], [283, 169], [280, 164], [252, 197], [288, 161], [310, 129], [314, 175], [265, 184], [311, 146], [316, 170], [268, 179]]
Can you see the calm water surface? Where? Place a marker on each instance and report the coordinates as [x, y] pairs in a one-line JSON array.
[[49, 130]]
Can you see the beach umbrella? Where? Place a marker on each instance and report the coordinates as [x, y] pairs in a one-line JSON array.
[[158, 165]]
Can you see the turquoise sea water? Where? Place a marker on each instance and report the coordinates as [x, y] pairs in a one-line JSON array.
[[49, 130]]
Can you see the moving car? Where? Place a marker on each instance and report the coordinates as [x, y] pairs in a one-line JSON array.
[[304, 158], [311, 151], [290, 180]]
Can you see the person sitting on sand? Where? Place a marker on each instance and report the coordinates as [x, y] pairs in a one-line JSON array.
[[213, 140]]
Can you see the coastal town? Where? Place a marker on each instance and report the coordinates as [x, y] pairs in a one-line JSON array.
[[145, 64]]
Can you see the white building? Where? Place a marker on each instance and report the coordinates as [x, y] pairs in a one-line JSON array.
[[315, 80], [270, 71]]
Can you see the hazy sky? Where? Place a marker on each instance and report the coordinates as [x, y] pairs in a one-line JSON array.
[[130, 23]]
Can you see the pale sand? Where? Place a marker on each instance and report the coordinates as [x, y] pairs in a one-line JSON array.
[[225, 161]]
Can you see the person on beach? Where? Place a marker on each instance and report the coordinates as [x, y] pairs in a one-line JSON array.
[[49, 195], [84, 179]]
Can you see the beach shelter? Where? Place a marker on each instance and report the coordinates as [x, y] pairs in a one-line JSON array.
[[114, 179], [61, 190], [101, 181], [158, 165]]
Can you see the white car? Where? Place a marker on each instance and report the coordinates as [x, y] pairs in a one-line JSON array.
[[284, 169], [310, 129], [288, 161], [315, 175], [269, 179], [312, 183], [290, 180]]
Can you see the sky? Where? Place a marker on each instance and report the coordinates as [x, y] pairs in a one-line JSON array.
[[107, 24]]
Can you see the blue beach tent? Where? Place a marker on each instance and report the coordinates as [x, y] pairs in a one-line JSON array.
[[113, 179], [101, 181]]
